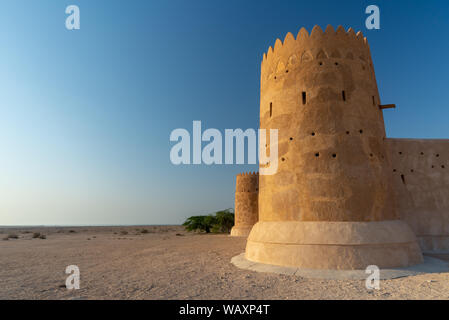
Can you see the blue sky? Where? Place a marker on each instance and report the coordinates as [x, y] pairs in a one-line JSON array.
[[85, 116]]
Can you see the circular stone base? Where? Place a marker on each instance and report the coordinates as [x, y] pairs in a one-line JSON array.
[[241, 231], [430, 265], [333, 245]]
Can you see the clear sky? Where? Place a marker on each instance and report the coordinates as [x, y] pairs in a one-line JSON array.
[[85, 115]]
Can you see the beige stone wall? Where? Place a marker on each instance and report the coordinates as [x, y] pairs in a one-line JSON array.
[[320, 92], [246, 203], [421, 181]]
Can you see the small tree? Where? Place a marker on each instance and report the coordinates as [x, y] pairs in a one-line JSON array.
[[221, 221]]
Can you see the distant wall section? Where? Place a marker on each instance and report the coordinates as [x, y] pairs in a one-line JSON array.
[[421, 184]]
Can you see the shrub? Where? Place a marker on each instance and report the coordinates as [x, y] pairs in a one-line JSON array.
[[42, 236], [199, 223], [144, 231], [221, 221], [36, 235], [13, 236], [124, 232]]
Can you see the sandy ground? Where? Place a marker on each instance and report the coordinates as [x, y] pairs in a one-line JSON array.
[[167, 263]]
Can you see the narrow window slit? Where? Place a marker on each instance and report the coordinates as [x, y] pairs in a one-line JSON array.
[[343, 95], [271, 109], [403, 178], [304, 97]]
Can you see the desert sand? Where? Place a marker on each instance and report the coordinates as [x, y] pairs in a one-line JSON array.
[[167, 263]]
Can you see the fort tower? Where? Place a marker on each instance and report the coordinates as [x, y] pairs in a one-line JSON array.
[[246, 203], [331, 203]]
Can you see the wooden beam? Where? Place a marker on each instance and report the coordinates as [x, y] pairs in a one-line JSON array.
[[387, 106]]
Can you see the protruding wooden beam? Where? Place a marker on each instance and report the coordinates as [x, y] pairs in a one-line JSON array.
[[387, 106]]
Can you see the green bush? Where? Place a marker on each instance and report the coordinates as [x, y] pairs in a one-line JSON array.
[[224, 221], [221, 221]]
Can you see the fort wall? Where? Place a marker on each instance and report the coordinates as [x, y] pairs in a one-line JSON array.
[[421, 185]]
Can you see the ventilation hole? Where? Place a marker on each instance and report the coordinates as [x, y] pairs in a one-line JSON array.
[[271, 109], [374, 101], [321, 63], [313, 133], [411, 170], [347, 132], [275, 78], [336, 63], [403, 178], [400, 152], [422, 153], [283, 159], [343, 95], [394, 170], [371, 155], [442, 166], [334, 155], [361, 131], [291, 138], [433, 167], [437, 155], [317, 154], [304, 97], [286, 71]]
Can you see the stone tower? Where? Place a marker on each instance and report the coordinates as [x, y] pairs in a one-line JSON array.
[[246, 203], [331, 204]]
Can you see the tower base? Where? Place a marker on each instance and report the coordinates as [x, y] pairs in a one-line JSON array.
[[241, 231], [333, 245]]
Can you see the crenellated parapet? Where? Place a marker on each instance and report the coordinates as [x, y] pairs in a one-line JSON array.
[[294, 52]]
